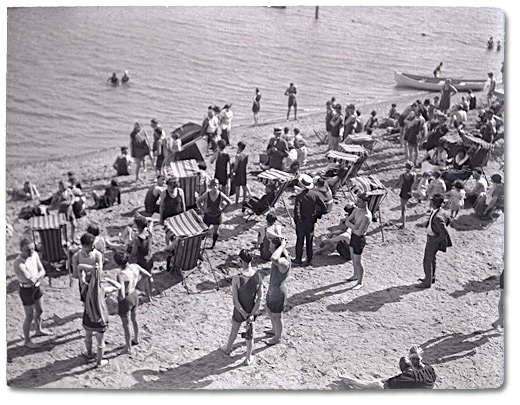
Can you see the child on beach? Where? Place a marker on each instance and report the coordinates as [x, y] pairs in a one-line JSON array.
[[123, 162], [457, 195], [405, 182]]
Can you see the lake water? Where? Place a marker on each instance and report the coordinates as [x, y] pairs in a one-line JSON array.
[[182, 59]]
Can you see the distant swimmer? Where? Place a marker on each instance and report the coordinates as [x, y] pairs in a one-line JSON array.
[[491, 43], [113, 79], [125, 77], [499, 45], [437, 70], [291, 92]]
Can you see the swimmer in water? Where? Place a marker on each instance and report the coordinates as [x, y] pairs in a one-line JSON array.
[[113, 79], [491, 43], [125, 77]]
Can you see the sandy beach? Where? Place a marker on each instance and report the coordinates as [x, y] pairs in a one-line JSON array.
[[330, 330]]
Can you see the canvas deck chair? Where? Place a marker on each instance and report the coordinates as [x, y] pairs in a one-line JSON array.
[[186, 233], [362, 139], [282, 180], [353, 149], [375, 190], [50, 239], [187, 171], [480, 150], [347, 162]]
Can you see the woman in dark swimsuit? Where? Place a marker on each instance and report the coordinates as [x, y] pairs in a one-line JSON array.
[[172, 200], [406, 181], [212, 204], [240, 173], [222, 161], [142, 250], [256, 105], [446, 92]]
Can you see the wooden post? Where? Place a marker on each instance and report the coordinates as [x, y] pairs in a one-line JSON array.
[[316, 12]]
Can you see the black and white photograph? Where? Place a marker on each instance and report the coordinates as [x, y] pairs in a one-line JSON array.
[[233, 197]]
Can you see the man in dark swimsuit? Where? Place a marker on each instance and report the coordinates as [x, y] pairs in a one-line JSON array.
[[291, 92]]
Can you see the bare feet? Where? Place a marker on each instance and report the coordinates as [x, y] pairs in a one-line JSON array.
[[357, 286], [126, 349], [42, 332], [87, 355], [249, 361], [31, 345], [102, 363], [225, 350]]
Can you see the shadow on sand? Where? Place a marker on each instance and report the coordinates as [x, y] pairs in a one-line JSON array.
[[478, 286]]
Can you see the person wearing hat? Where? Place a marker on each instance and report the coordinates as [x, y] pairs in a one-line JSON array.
[[226, 115], [358, 221], [277, 150], [246, 287], [308, 208], [276, 296], [438, 239], [406, 181], [336, 124], [291, 92]]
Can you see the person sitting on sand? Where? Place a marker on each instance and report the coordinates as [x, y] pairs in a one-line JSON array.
[[111, 196], [127, 297], [125, 77], [459, 117], [401, 381], [263, 243], [113, 79], [422, 371], [29, 272], [152, 196], [123, 162], [27, 192], [337, 233], [479, 187], [277, 292], [246, 288], [393, 113], [63, 201], [492, 200], [142, 250]]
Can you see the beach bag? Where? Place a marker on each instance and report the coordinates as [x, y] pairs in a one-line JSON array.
[[343, 250]]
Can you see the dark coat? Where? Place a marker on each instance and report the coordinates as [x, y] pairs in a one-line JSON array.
[[440, 221], [277, 150], [308, 207]]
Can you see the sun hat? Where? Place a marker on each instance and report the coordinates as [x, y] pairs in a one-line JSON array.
[[306, 181], [496, 178]]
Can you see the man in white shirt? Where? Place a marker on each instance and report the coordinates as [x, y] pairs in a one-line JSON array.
[[210, 129], [29, 271], [226, 115]]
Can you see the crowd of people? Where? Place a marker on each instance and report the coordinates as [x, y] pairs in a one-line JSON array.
[[420, 128]]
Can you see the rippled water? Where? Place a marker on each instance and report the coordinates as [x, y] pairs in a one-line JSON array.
[[181, 59]]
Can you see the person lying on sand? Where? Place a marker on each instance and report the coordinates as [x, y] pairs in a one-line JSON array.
[[27, 192]]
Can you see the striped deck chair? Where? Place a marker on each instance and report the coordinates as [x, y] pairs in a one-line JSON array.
[[375, 190], [187, 171], [51, 242], [347, 163], [189, 230], [353, 149], [282, 180]]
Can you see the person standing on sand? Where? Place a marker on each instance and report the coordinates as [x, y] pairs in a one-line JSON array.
[[358, 221], [336, 124], [291, 92], [139, 148], [277, 150], [277, 292], [490, 88], [29, 272], [226, 115], [212, 204], [127, 298], [405, 182], [246, 287], [308, 208], [438, 239], [240, 173], [446, 92], [256, 105]]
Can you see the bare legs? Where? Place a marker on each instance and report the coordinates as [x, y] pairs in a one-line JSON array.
[[245, 192], [235, 326], [363, 384], [412, 150], [359, 271], [32, 313], [403, 212], [126, 329], [215, 235], [100, 338], [138, 167], [277, 323]]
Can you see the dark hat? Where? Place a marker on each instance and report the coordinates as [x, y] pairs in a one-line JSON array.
[[408, 165], [496, 178], [351, 107], [437, 200], [277, 130], [246, 255], [154, 121]]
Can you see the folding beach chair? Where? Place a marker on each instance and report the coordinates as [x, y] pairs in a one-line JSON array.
[[347, 163], [282, 180], [188, 231], [375, 190], [187, 171], [51, 243], [362, 139]]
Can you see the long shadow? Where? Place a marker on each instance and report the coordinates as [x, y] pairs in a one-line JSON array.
[[374, 301], [477, 286], [12, 287], [57, 321], [315, 294], [455, 346], [469, 223], [164, 280], [56, 371], [192, 375], [48, 345]]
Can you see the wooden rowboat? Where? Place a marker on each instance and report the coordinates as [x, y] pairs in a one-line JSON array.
[[436, 83]]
